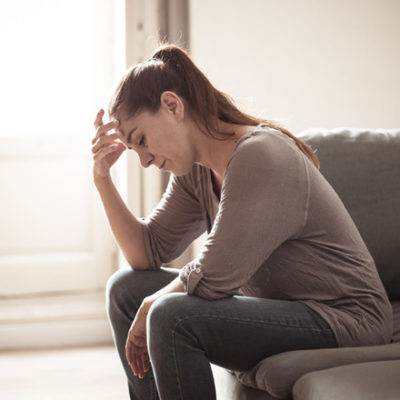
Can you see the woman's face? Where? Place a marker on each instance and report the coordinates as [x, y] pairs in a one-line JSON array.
[[161, 139]]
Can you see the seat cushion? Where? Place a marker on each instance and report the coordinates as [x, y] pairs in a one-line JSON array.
[[366, 381], [277, 374]]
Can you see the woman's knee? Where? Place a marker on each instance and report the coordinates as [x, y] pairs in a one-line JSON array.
[[132, 286], [122, 286], [167, 312], [171, 316]]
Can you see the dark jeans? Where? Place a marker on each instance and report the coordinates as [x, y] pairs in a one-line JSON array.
[[185, 333]]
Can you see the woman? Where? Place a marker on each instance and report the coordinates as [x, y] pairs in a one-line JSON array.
[[283, 266]]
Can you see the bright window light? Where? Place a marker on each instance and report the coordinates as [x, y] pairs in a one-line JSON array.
[[47, 67]]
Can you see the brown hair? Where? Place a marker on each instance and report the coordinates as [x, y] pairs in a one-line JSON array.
[[171, 69]]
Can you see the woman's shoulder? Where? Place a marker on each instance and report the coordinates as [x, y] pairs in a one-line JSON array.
[[264, 145]]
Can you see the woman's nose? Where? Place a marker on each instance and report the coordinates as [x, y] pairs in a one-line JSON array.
[[146, 158]]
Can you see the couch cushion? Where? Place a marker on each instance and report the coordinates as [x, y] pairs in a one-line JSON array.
[[227, 387], [363, 166], [366, 381], [277, 374], [396, 321]]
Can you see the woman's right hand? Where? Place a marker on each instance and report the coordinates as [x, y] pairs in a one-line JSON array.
[[106, 149]]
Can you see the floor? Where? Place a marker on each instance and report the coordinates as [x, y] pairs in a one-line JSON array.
[[63, 374]]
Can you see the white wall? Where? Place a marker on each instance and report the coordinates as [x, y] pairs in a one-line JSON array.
[[307, 63]]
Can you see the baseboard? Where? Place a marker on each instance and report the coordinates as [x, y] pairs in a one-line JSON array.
[[54, 321], [54, 334]]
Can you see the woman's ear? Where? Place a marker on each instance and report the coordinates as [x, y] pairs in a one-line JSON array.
[[173, 104]]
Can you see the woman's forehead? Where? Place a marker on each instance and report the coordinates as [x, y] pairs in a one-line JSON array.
[[128, 124]]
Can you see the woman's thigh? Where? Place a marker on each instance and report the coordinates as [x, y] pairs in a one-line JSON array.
[[239, 331]]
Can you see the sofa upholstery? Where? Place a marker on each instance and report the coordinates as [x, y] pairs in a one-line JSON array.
[[369, 381], [363, 166]]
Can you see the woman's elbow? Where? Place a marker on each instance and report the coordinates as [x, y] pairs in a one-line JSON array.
[[139, 264]]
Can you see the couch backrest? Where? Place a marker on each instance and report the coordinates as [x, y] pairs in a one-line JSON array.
[[363, 166]]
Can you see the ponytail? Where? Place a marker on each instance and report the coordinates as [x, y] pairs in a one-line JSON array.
[[171, 69]]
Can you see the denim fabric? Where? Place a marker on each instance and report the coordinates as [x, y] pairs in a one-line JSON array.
[[125, 291], [186, 333]]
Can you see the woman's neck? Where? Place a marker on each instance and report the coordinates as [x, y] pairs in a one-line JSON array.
[[215, 154]]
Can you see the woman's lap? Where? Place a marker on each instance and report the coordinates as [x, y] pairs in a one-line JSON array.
[[237, 332], [186, 333]]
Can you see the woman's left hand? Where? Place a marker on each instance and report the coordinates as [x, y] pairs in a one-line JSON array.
[[136, 345]]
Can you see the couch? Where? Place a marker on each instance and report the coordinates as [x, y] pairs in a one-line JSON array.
[[364, 168]]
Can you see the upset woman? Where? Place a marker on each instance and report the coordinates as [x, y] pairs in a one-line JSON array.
[[283, 266]]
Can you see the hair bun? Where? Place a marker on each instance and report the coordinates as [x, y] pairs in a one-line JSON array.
[[163, 54], [169, 53]]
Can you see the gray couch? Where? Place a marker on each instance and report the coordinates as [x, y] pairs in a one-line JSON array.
[[364, 168]]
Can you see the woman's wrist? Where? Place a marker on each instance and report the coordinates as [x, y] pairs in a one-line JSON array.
[[176, 286], [100, 180], [147, 303]]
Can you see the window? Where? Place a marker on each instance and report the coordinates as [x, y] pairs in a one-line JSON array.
[[60, 61]]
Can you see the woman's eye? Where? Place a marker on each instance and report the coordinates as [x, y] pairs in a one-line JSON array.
[[141, 141]]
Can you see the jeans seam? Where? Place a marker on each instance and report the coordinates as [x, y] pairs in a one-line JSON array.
[[176, 364], [251, 320]]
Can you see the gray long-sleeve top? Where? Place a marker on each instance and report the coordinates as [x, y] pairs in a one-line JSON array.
[[279, 231]]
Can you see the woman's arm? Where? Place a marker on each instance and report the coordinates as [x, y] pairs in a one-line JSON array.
[[175, 222], [263, 203], [126, 229]]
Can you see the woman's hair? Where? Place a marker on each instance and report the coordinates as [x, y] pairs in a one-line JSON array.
[[171, 69]]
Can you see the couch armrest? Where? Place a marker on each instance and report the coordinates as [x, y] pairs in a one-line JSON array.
[[365, 381], [277, 374]]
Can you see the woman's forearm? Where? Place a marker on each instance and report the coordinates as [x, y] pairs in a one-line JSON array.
[[126, 228], [176, 286]]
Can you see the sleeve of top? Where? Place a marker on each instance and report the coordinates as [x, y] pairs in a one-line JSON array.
[[264, 202], [174, 223]]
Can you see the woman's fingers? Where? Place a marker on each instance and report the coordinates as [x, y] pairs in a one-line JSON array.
[[130, 356], [137, 356], [145, 362], [129, 352], [141, 361], [136, 345], [107, 150], [104, 141], [133, 360], [136, 364], [99, 119], [103, 129], [128, 346]]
